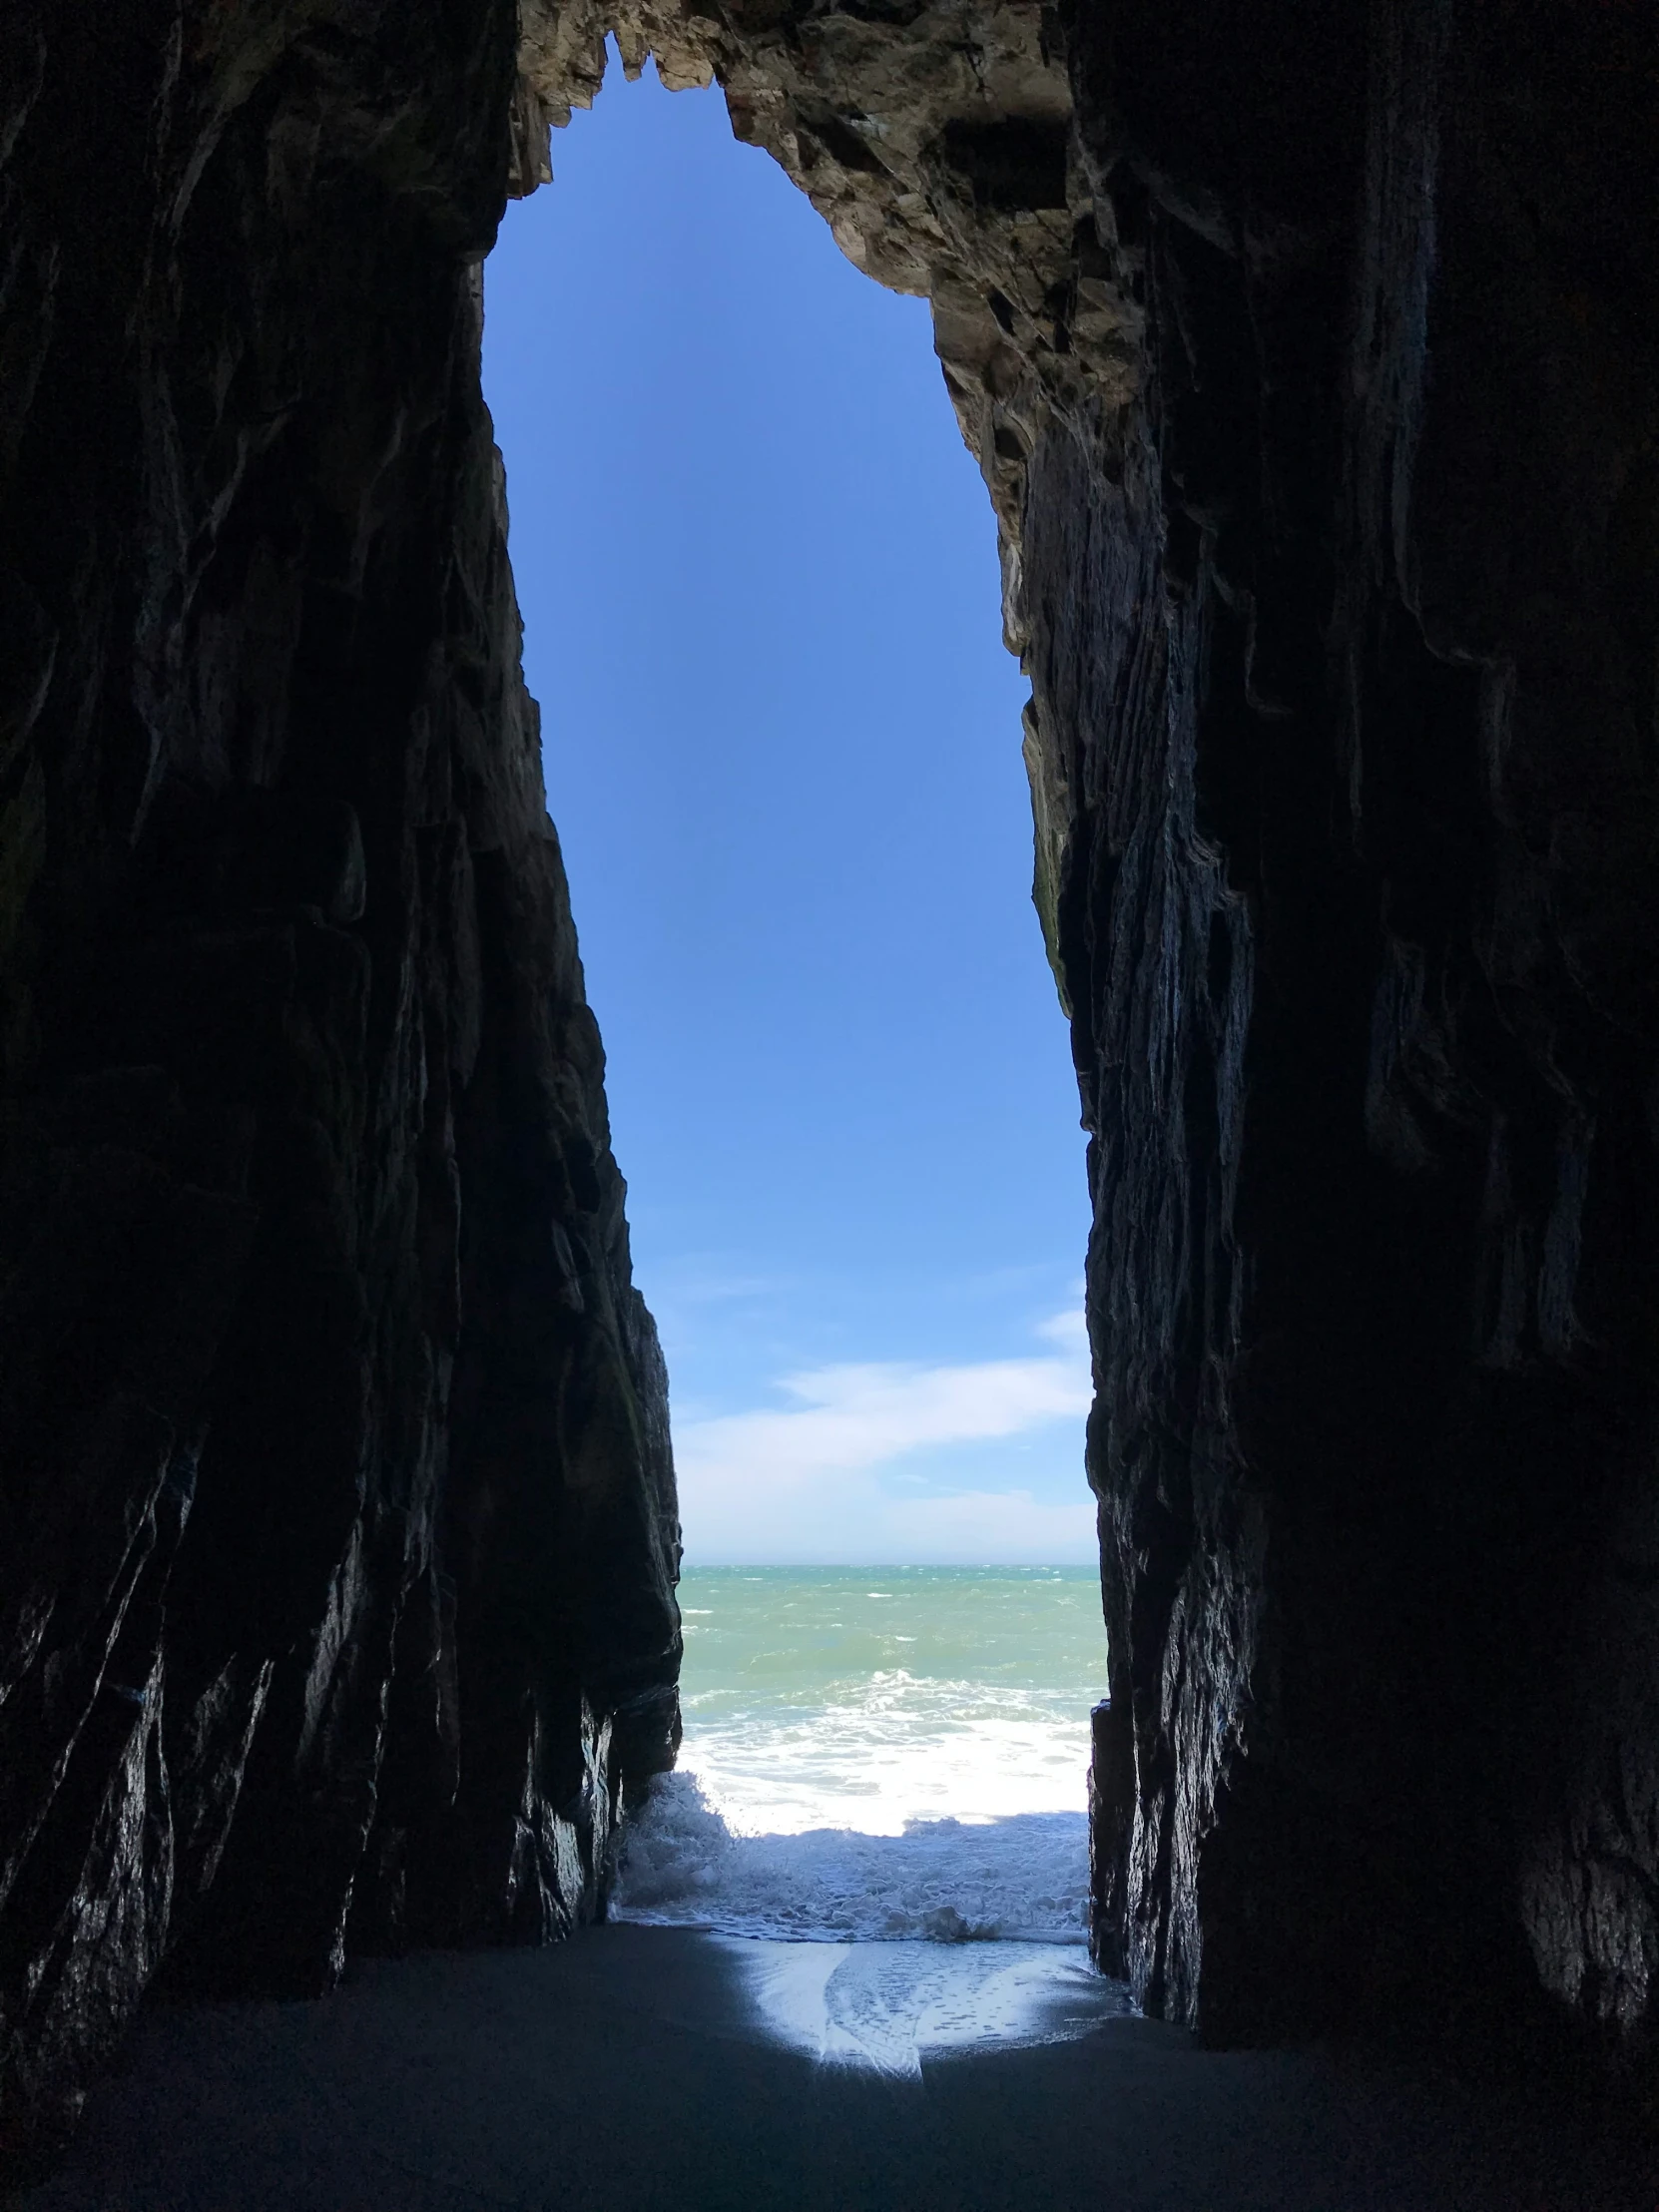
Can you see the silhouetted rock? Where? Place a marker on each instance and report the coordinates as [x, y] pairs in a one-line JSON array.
[[1309, 356], [1309, 361], [338, 1504], [1344, 651]]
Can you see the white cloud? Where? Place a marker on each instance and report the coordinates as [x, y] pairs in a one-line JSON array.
[[805, 1480], [1008, 1526], [1069, 1329], [851, 1417]]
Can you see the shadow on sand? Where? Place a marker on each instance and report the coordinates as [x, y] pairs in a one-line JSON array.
[[639, 2069]]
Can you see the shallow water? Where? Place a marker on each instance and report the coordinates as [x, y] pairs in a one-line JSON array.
[[891, 1753], [886, 2007], [834, 1697]]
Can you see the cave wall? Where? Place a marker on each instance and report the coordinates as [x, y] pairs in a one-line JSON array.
[[339, 1539], [1308, 355], [1344, 642], [1309, 358]]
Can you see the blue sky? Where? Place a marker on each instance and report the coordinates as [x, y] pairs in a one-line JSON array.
[[758, 569]]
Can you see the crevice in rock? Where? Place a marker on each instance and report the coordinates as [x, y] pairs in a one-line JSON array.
[[1311, 367]]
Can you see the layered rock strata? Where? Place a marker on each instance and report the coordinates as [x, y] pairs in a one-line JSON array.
[[1308, 357], [1308, 354], [339, 1539], [1344, 651]]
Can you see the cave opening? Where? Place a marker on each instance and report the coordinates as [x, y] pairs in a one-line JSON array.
[[1309, 358], [758, 574]]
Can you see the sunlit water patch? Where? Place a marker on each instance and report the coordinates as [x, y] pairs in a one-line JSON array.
[[894, 1754], [887, 2007], [1024, 1876]]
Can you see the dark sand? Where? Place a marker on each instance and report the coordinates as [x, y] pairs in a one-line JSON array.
[[628, 2070]]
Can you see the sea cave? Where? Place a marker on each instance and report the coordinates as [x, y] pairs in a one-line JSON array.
[[1309, 356]]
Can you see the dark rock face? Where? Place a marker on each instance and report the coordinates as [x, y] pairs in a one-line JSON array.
[[1309, 356], [1344, 650], [339, 1539]]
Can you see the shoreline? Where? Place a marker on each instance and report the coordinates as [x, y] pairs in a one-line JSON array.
[[635, 2069]]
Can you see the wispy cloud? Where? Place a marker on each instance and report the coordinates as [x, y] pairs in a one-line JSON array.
[[1002, 1525], [851, 1417], [806, 1480]]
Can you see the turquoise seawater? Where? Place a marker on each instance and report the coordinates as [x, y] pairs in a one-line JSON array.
[[879, 1752], [867, 1697]]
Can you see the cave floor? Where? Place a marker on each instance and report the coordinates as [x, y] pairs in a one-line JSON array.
[[632, 2069]]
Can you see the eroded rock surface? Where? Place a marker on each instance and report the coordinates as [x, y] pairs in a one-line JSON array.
[[339, 1539], [1309, 358], [1342, 639]]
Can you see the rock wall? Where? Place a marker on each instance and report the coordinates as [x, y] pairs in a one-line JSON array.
[[1308, 355], [339, 1539], [1343, 645]]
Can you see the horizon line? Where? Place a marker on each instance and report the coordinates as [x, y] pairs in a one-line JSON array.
[[891, 1566]]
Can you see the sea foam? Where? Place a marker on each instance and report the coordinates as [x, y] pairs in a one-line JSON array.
[[1022, 1877], [895, 1754]]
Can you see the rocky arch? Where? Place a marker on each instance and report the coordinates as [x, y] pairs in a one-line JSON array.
[[1309, 360]]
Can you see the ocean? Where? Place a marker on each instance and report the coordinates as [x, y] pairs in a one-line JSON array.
[[893, 1753]]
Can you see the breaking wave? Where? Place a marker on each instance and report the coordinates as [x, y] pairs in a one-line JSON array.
[[1021, 1877]]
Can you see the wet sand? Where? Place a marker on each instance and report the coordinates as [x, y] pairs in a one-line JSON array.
[[638, 2069]]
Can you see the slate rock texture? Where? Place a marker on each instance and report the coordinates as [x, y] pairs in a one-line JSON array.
[[336, 1582], [1308, 354], [1308, 357], [1343, 646]]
